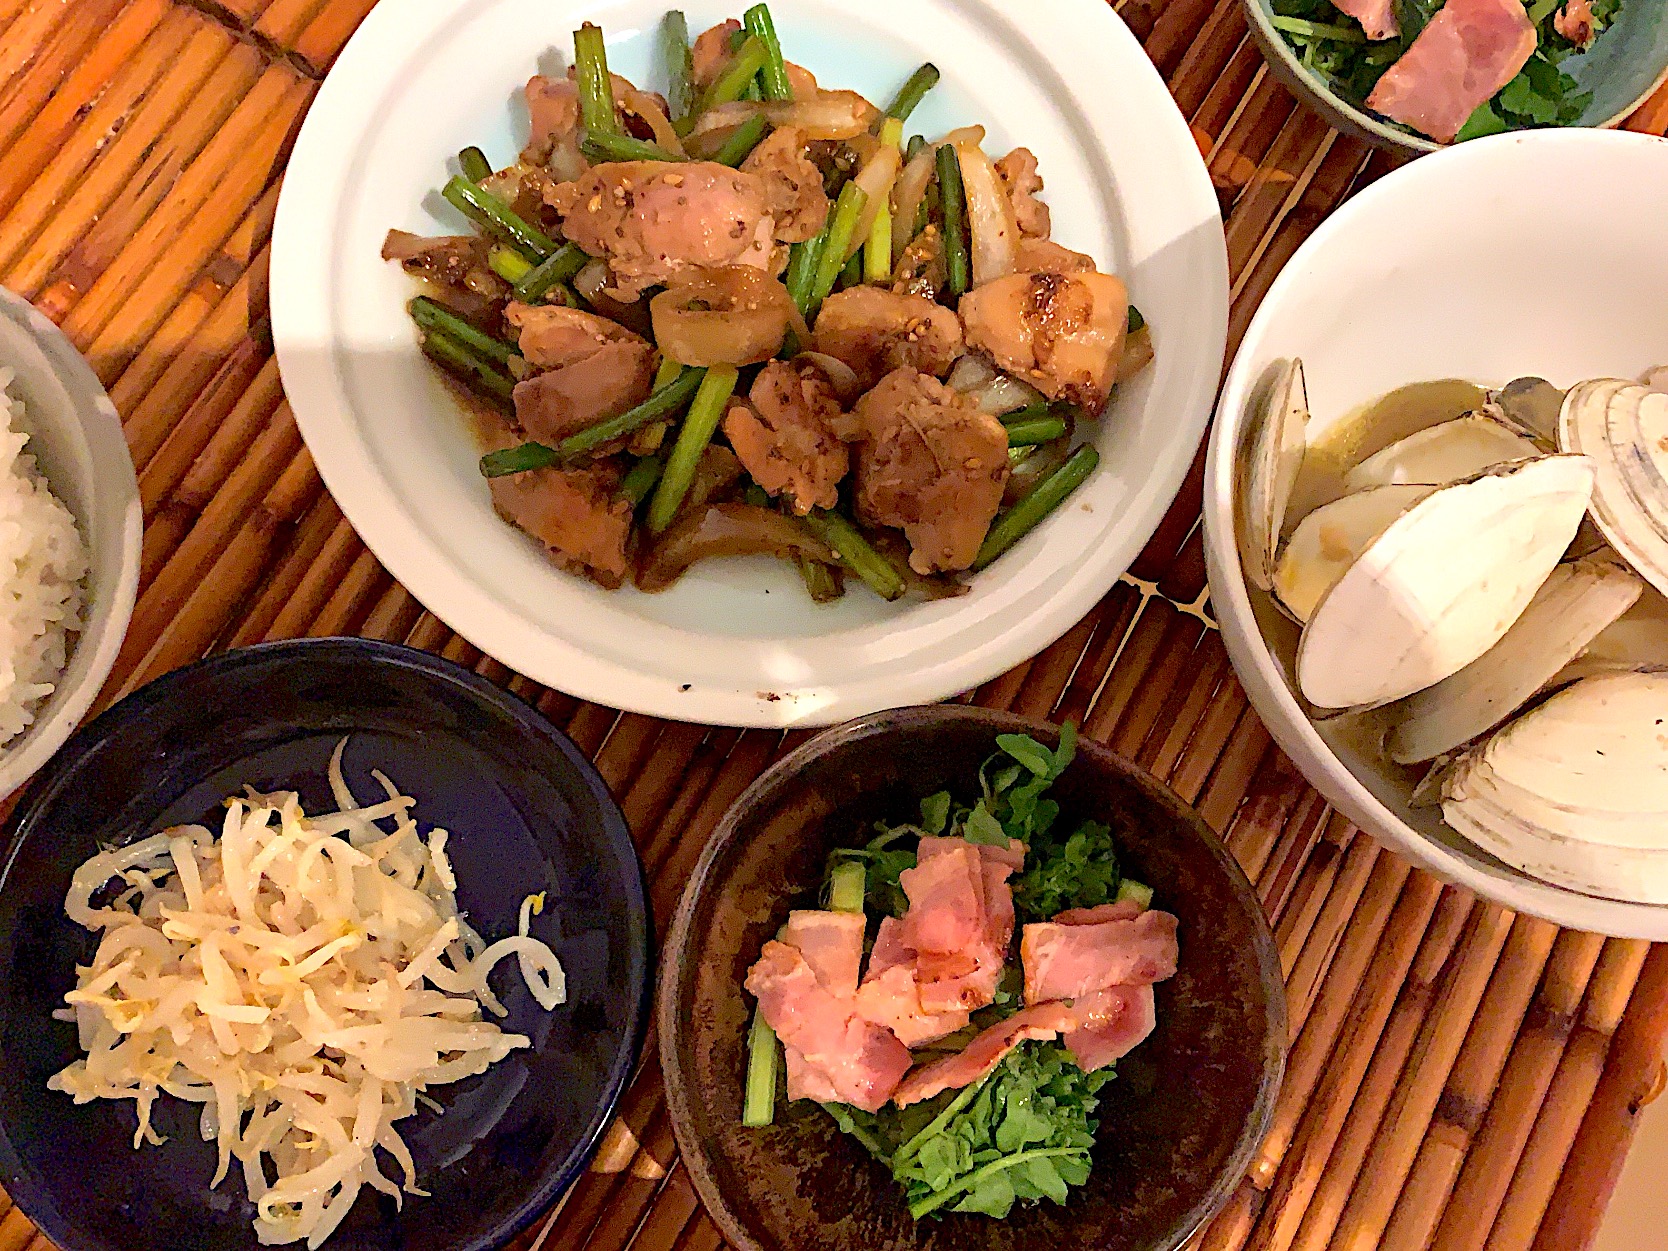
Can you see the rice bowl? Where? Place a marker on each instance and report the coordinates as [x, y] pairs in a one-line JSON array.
[[43, 561]]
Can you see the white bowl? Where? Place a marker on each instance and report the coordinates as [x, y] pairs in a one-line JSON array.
[[737, 641], [76, 438], [1539, 253]]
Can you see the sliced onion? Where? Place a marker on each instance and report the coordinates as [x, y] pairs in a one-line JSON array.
[[969, 372], [737, 315], [841, 376], [726, 117], [725, 530], [990, 216], [1003, 394], [1042, 461], [590, 280], [876, 177], [802, 80], [963, 134], [907, 194], [1138, 353], [826, 115], [646, 105]]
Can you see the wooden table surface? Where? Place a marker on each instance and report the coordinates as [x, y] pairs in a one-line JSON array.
[[1461, 1078]]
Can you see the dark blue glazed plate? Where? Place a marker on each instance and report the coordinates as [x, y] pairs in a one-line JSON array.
[[526, 812]]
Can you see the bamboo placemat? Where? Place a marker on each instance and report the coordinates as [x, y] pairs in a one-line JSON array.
[[1461, 1078]]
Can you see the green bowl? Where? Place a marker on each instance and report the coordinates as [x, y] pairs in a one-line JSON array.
[[1625, 64]]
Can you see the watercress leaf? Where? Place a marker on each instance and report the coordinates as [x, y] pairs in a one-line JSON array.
[[1044, 1174], [993, 1196], [983, 828], [935, 812], [1030, 753], [1066, 752], [1485, 121]]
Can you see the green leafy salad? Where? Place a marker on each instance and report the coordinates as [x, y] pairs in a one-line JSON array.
[[1025, 1131], [1334, 47]]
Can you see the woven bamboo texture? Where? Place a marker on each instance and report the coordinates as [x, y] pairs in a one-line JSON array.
[[1461, 1078]]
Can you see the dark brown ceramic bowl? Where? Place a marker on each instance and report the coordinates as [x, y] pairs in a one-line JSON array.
[[1177, 1127]]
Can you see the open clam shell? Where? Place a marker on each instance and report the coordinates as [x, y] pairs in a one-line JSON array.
[[1269, 464], [1443, 453], [1331, 539], [1623, 426], [1442, 584], [1530, 406], [1636, 640], [1576, 791], [1575, 603]]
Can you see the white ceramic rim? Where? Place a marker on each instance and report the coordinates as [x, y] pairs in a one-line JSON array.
[[114, 521], [1251, 657], [1075, 41]]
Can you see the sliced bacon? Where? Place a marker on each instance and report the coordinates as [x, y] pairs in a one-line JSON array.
[[890, 948], [1377, 17], [1069, 961], [1110, 1023], [946, 900], [1118, 910], [960, 921], [892, 998], [806, 1080], [861, 1061], [984, 1053], [832, 944], [1468, 52]]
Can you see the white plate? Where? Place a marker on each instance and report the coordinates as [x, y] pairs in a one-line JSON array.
[[737, 641], [1459, 265]]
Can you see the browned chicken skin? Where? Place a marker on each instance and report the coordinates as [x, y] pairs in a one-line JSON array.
[[652, 220], [1061, 332], [553, 335], [793, 185], [785, 436], [553, 109], [1042, 256], [1019, 175], [931, 463], [574, 513], [876, 331], [617, 376]]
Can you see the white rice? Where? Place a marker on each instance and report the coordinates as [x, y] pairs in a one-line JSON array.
[[42, 563]]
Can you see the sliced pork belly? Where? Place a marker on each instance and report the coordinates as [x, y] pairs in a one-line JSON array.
[[832, 944], [946, 899], [1468, 52], [1069, 961], [984, 1053], [892, 998], [960, 921], [1121, 910], [861, 1062], [1377, 17], [1110, 1023]]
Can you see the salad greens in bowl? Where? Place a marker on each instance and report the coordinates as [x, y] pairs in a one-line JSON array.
[[944, 973], [1413, 75]]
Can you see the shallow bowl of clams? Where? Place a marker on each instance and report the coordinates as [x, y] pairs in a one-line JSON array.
[[1436, 514]]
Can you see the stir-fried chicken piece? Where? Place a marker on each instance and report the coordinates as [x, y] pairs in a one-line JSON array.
[[652, 220], [456, 264], [553, 335], [1020, 177], [784, 436], [574, 513], [1043, 256], [1062, 333], [931, 463], [922, 269], [617, 376], [792, 184], [876, 331], [553, 110]]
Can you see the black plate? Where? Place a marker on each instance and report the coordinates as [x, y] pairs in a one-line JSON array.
[[526, 812]]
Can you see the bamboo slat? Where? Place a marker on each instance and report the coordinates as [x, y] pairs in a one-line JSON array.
[[1460, 1078]]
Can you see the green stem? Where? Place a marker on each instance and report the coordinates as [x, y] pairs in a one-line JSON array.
[[846, 885], [819, 579], [603, 146], [508, 264], [909, 95], [1043, 499], [680, 64], [640, 479], [662, 402], [1043, 430], [847, 209], [971, 1181], [558, 267], [1136, 320], [907, 1151], [431, 315], [479, 375], [497, 218], [956, 260], [729, 86], [773, 74], [472, 161], [705, 412], [596, 87], [1336, 32], [855, 553], [743, 139], [803, 260], [758, 1105]]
